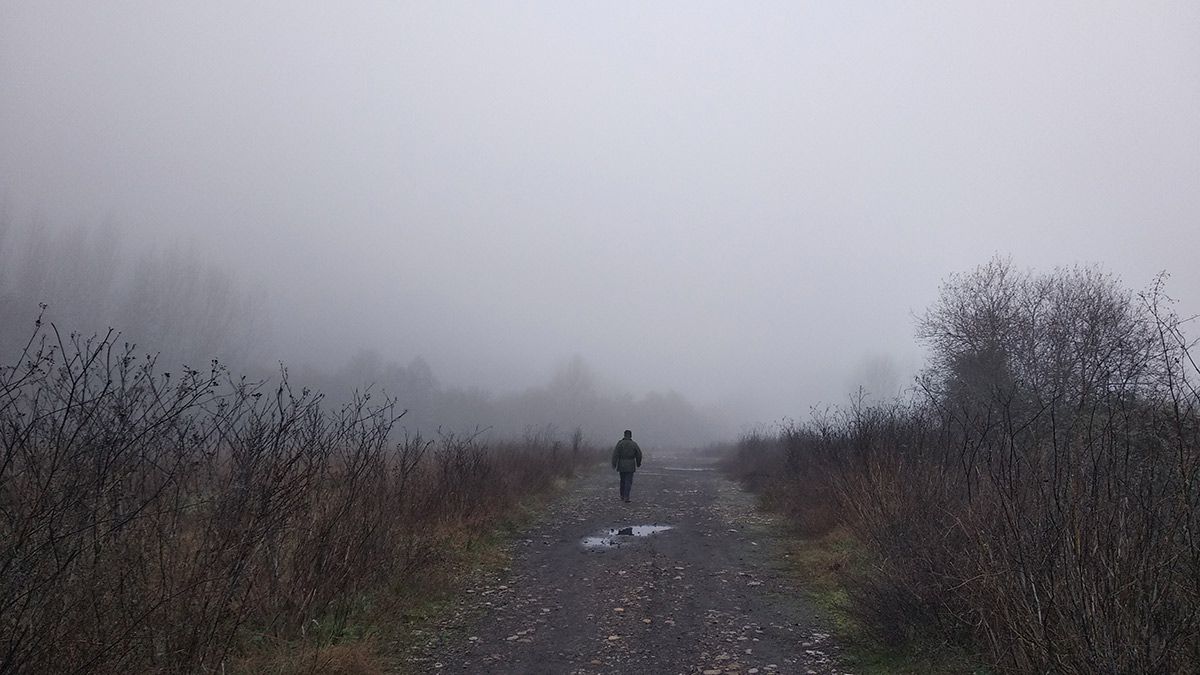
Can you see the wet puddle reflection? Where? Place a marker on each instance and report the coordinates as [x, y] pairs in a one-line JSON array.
[[619, 535]]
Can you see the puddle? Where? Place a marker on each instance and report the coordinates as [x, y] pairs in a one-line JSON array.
[[641, 530], [688, 468], [619, 535]]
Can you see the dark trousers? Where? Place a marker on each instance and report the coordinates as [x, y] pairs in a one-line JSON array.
[[626, 484]]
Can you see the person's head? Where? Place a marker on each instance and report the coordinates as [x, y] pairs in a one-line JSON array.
[[628, 434]]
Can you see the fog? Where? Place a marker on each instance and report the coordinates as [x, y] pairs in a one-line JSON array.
[[739, 209]]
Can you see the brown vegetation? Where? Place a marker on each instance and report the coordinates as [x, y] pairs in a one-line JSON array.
[[1039, 499], [162, 522]]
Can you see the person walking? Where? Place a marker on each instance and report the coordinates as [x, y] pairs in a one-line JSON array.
[[626, 458]]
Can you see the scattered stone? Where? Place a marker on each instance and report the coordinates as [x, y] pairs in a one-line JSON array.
[[742, 616]]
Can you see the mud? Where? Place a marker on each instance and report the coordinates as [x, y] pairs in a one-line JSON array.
[[708, 595]]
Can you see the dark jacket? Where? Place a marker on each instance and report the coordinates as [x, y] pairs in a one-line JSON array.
[[627, 456]]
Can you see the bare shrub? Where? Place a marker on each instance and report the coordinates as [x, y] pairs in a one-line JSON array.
[[1039, 499], [150, 522]]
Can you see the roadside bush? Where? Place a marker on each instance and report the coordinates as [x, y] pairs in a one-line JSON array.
[[1039, 499], [150, 521]]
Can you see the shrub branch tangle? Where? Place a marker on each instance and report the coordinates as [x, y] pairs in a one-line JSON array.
[[149, 522], [1040, 498]]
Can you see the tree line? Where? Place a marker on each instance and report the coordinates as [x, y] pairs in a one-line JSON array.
[[93, 278], [175, 305]]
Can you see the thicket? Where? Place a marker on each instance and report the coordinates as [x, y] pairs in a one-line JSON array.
[[159, 521], [1038, 498]]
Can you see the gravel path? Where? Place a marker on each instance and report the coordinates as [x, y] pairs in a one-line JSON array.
[[704, 596]]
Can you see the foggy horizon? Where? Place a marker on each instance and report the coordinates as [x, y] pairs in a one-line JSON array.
[[744, 205]]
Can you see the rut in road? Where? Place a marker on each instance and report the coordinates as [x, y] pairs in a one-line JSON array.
[[704, 596]]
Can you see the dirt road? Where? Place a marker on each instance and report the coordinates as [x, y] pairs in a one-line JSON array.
[[584, 595]]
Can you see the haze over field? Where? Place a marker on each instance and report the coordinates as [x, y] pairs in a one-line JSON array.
[[744, 205]]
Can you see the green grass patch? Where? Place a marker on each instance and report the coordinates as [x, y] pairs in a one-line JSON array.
[[822, 566]]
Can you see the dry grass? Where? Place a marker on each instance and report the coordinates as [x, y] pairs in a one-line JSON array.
[[358, 658], [184, 524]]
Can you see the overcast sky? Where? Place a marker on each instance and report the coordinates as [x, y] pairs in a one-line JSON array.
[[741, 202]]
